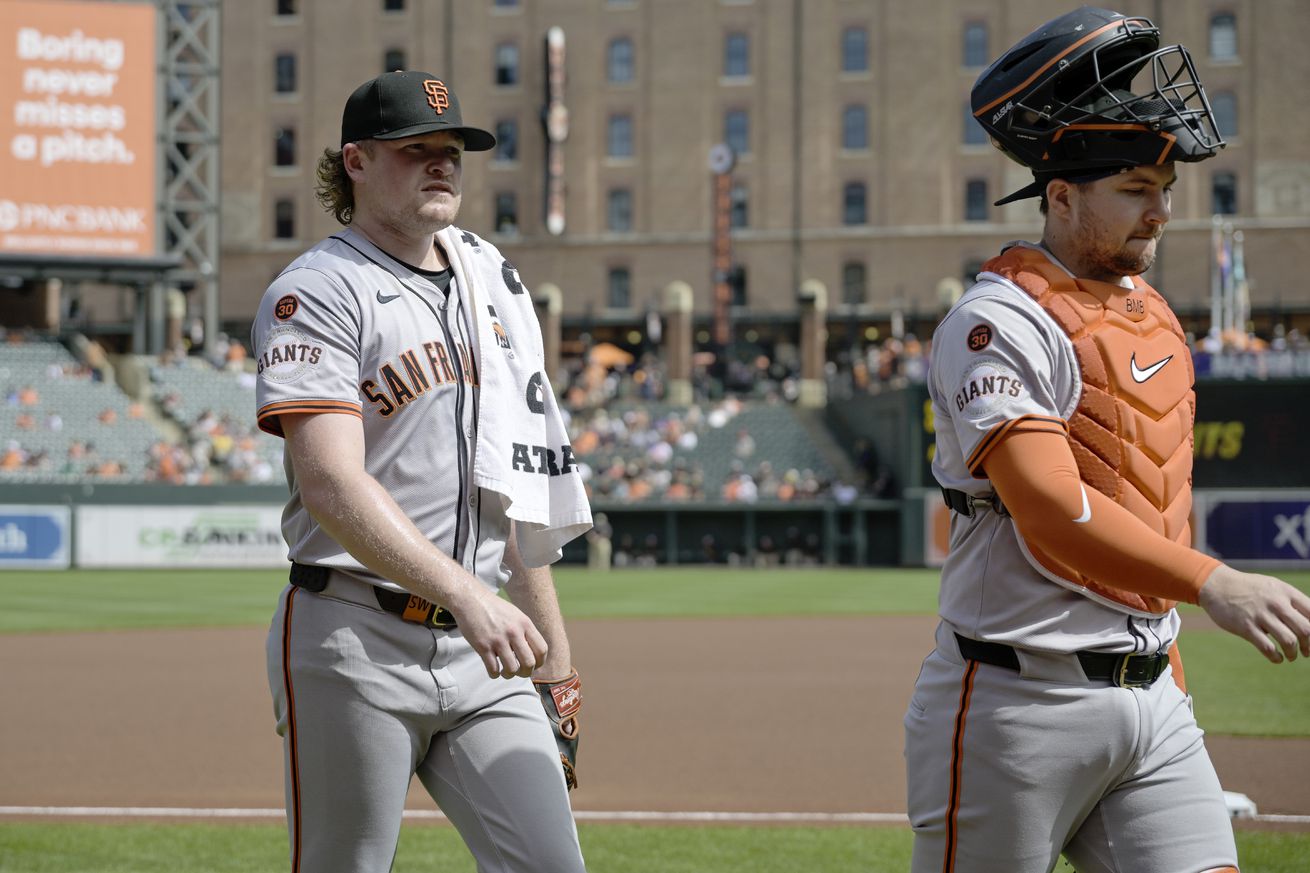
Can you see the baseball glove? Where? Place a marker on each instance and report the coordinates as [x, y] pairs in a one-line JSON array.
[[562, 699]]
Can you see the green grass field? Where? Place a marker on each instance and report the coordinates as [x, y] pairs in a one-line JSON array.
[[206, 848], [115, 599], [1235, 690], [110, 599]]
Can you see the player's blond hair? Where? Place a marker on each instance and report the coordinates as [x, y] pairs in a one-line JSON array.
[[334, 190]]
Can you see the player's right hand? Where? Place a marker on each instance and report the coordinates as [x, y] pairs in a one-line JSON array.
[[506, 639], [1267, 612]]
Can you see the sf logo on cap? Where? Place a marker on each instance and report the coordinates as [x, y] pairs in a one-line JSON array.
[[438, 96]]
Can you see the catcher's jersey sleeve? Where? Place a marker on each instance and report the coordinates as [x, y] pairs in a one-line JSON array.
[[999, 364], [306, 342]]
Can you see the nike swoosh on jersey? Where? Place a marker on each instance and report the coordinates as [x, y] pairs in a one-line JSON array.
[[391, 297], [1141, 375]]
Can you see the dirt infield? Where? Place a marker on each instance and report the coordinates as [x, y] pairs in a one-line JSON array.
[[725, 715]]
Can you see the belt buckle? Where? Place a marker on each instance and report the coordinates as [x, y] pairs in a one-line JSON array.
[[1121, 671], [1121, 674]]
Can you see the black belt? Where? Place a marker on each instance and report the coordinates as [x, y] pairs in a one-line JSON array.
[[1126, 671], [408, 606], [967, 504]]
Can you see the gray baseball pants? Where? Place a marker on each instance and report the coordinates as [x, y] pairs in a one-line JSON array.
[[365, 700], [1007, 771]]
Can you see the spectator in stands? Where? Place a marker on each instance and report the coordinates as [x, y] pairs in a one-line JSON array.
[[54, 422], [787, 488], [744, 447], [106, 469], [25, 421], [739, 487], [170, 403], [217, 354], [809, 486], [107, 416], [14, 456], [28, 396], [914, 363], [639, 487], [166, 463], [844, 493], [235, 359], [625, 555]]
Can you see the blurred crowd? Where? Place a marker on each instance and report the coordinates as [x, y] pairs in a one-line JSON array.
[[632, 448], [214, 446], [1236, 355], [635, 455], [217, 450], [208, 448], [34, 419]]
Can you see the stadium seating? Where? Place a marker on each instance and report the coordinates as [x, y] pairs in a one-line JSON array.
[[634, 451], [197, 397], [63, 423]]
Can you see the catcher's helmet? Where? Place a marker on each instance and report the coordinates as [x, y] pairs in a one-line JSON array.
[[1065, 100]]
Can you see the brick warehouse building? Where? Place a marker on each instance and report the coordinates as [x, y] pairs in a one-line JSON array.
[[857, 164]]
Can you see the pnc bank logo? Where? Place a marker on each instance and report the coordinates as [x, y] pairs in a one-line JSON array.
[[438, 96]]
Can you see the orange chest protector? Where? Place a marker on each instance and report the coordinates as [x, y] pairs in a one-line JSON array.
[[1132, 430]]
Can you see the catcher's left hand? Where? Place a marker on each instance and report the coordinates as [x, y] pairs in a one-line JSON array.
[[562, 699]]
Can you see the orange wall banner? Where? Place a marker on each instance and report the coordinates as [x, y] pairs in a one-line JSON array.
[[77, 129]]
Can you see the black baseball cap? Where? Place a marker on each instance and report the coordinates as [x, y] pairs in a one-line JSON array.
[[407, 103], [1042, 178]]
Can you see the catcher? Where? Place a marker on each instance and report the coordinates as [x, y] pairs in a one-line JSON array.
[[1052, 717]]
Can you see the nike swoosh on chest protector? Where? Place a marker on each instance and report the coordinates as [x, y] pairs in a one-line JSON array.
[[1141, 375], [391, 297]]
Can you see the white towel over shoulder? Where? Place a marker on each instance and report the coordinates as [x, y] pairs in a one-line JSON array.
[[523, 451]]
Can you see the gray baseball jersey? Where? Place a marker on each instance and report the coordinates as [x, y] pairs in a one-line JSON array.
[[364, 697], [346, 328]]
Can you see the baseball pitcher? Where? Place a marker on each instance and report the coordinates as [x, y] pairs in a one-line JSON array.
[[429, 469]]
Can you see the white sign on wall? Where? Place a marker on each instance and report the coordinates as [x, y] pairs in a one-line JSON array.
[[180, 536]]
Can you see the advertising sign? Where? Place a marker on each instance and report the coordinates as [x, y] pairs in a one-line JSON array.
[[180, 536], [1271, 529], [34, 537], [1245, 430], [77, 128]]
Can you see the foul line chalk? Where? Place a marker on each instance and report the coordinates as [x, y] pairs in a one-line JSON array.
[[580, 815]]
